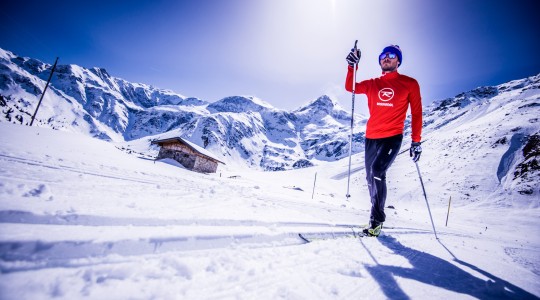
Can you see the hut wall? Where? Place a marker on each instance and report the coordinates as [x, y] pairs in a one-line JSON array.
[[186, 160], [179, 147], [205, 165], [187, 157]]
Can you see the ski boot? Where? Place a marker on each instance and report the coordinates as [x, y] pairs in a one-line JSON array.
[[373, 229]]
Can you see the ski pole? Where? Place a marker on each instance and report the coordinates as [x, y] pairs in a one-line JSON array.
[[424, 190], [352, 125]]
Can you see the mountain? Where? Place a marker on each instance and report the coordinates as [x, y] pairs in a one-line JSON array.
[[248, 131], [240, 129], [499, 122], [88, 100], [489, 128]]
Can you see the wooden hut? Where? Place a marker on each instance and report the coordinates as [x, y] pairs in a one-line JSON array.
[[189, 155]]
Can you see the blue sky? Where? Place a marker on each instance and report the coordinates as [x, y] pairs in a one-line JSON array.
[[286, 52]]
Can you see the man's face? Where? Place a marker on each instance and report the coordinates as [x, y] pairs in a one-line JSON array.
[[389, 64]]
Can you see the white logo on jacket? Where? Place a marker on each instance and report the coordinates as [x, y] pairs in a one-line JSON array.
[[386, 94]]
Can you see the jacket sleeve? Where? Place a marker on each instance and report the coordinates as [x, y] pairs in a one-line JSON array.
[[349, 81], [416, 112]]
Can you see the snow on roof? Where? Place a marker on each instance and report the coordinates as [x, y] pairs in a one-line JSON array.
[[193, 146]]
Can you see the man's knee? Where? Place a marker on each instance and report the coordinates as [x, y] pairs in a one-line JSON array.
[[378, 175]]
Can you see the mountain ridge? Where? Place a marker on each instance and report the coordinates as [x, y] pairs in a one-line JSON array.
[[246, 131], [93, 102]]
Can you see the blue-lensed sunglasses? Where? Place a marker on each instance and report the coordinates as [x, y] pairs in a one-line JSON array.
[[387, 54]]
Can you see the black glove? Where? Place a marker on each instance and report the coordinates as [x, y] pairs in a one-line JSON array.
[[354, 57], [415, 151]]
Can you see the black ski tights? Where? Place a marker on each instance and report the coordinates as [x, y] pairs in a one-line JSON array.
[[380, 153]]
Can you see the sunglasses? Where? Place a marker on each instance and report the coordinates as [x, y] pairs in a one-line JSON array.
[[388, 54]]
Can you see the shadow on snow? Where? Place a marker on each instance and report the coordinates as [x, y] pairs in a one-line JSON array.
[[432, 270]]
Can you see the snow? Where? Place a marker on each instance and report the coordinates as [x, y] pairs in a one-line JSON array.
[[81, 219]]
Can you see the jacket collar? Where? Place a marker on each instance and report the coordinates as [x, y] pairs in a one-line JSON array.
[[390, 75]]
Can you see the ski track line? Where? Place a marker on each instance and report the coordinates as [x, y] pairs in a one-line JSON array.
[[24, 217], [80, 171], [253, 279], [258, 235], [57, 253], [173, 182], [28, 179], [346, 173]]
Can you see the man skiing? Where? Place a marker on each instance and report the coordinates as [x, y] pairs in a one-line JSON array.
[[389, 97]]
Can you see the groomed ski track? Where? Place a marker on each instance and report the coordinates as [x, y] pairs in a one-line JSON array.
[[89, 222], [369, 259], [82, 235]]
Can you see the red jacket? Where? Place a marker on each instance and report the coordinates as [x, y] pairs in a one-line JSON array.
[[388, 100]]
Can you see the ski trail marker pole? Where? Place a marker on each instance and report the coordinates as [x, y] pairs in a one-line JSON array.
[[448, 213], [352, 125], [424, 190], [314, 182], [43, 94]]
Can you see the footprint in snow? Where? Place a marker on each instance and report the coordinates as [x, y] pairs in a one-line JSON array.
[[41, 191]]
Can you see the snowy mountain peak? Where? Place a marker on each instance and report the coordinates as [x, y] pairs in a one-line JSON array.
[[239, 104], [323, 103], [6, 55], [322, 107], [483, 93], [193, 101]]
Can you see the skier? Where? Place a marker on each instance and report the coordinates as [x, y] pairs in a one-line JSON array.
[[388, 97]]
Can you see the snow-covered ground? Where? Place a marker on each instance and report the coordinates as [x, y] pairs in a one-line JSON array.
[[81, 219]]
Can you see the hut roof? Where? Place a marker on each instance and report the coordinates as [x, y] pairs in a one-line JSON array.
[[191, 145]]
